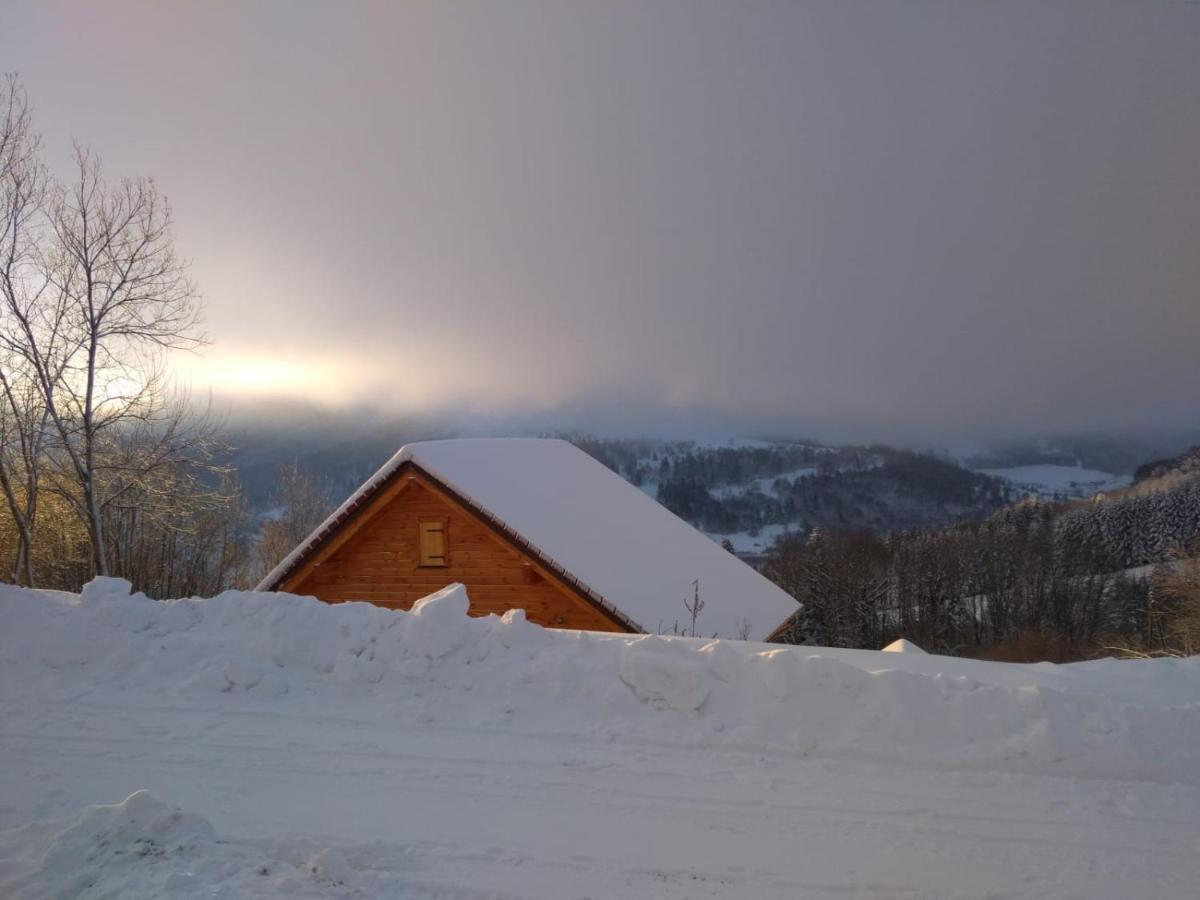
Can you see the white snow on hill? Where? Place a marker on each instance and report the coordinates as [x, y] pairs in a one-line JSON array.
[[265, 745], [747, 544], [1051, 480], [765, 486]]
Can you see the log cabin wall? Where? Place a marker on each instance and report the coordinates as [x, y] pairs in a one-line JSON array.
[[380, 562]]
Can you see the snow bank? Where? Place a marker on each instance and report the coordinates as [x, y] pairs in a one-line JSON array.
[[901, 645], [246, 651], [143, 848]]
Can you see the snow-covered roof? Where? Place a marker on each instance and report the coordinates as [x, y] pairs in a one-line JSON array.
[[619, 544]]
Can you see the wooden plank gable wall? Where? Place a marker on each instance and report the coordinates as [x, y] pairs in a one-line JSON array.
[[377, 557]]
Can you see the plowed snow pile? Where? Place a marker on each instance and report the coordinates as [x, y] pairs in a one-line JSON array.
[[353, 751]]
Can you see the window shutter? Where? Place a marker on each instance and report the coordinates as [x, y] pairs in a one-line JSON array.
[[432, 542]]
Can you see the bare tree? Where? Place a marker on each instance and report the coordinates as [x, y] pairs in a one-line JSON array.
[[22, 414], [179, 532], [92, 299], [22, 428], [1173, 608], [301, 502], [124, 300]]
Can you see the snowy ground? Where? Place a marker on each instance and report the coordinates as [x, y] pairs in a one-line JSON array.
[[1065, 481], [765, 486], [747, 544], [292, 749]]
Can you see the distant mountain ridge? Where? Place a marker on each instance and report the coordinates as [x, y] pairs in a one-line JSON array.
[[750, 492], [1119, 454]]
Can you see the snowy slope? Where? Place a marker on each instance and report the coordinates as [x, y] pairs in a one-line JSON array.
[[620, 543], [1052, 480], [761, 485], [747, 544], [350, 751]]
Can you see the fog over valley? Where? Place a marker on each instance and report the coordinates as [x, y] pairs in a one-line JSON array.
[[860, 221]]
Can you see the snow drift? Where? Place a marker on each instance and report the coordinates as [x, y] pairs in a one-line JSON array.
[[305, 733], [243, 649], [143, 848]]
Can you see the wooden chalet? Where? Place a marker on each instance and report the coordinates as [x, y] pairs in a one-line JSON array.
[[531, 524]]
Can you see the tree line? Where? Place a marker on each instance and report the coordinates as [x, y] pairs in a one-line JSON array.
[[1036, 578], [747, 487], [900, 489]]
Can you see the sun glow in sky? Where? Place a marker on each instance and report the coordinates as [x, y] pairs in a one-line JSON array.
[[255, 374], [405, 381], [890, 219]]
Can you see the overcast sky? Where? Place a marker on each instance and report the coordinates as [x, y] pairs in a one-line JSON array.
[[883, 218]]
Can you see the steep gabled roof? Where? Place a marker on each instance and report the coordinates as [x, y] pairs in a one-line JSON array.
[[616, 544]]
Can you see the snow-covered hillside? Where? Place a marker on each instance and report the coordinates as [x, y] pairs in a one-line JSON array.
[[1059, 481], [756, 544], [287, 748], [752, 493]]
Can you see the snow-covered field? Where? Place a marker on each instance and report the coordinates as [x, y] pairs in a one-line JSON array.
[[258, 745], [1066, 481], [747, 544], [765, 486]]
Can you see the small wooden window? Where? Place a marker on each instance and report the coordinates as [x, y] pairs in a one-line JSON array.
[[432, 542]]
